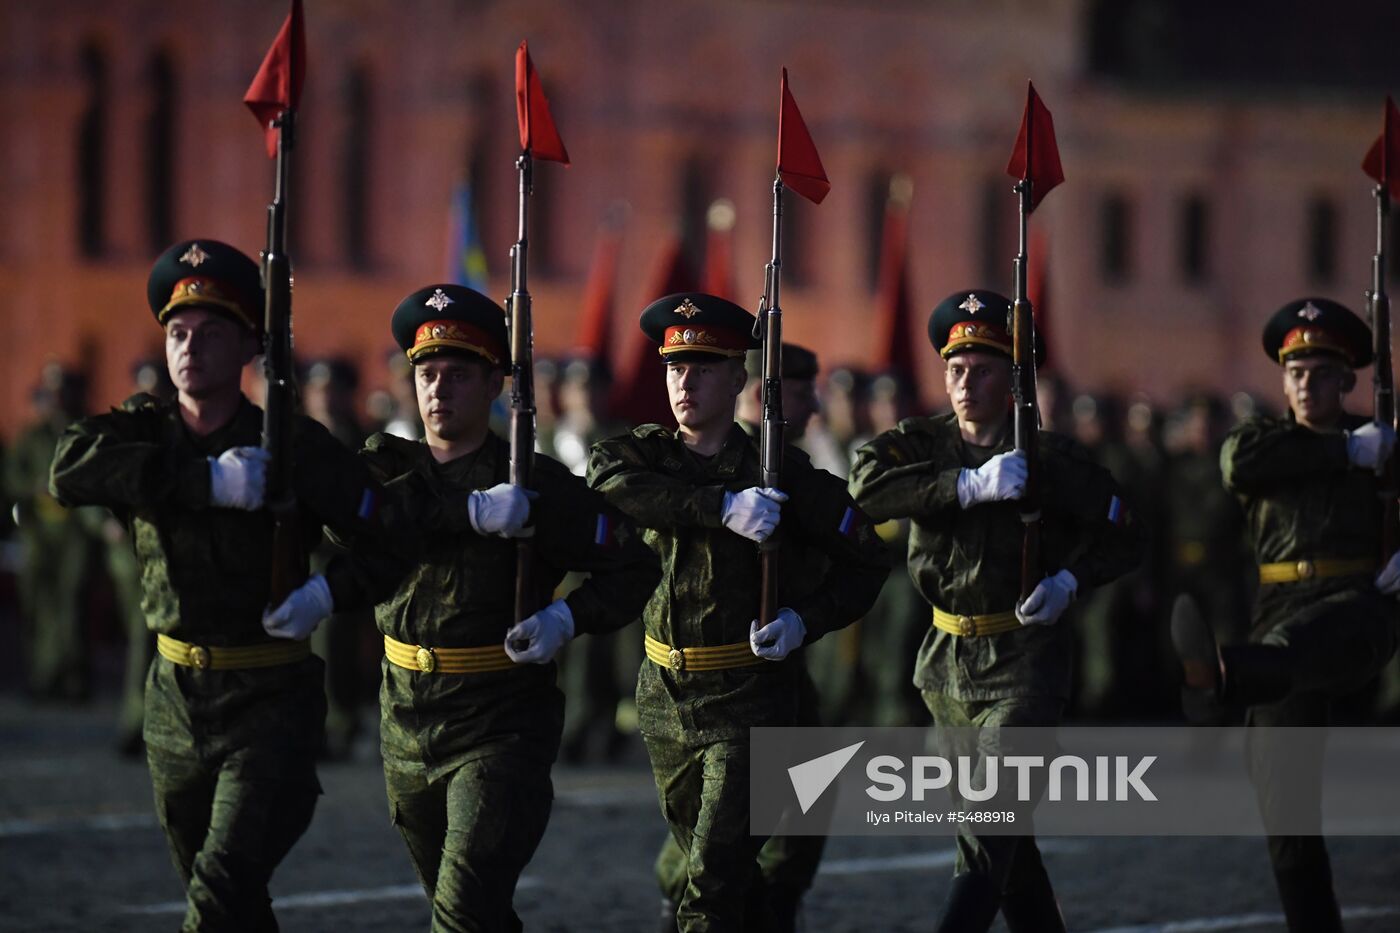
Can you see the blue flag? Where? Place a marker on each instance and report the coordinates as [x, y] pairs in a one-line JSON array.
[[466, 260]]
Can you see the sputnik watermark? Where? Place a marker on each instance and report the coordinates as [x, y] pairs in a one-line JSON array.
[[1112, 778], [1081, 781]]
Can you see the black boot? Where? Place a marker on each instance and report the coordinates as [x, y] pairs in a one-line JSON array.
[[971, 905], [1033, 909], [1308, 902], [1200, 663], [1255, 675]]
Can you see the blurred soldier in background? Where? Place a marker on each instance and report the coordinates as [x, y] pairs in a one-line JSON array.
[[328, 395], [598, 674], [56, 547]]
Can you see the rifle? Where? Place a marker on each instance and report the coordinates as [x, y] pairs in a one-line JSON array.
[[1383, 377], [289, 558], [769, 330], [522, 386], [1025, 408]]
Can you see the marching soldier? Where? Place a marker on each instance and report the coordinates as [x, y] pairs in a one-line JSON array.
[[787, 864], [232, 718], [1324, 620], [471, 716], [987, 660], [711, 672]]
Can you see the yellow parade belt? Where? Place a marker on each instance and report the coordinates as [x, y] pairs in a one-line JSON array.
[[1292, 571], [716, 658], [447, 660], [215, 658], [968, 626]]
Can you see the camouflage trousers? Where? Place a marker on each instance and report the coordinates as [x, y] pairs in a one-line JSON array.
[[787, 865], [470, 835], [1323, 651], [704, 795], [233, 794], [1011, 864]]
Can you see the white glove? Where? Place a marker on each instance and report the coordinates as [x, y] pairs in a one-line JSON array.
[[1388, 580], [537, 640], [786, 633], [501, 510], [1000, 478], [1048, 601], [301, 611], [754, 512], [238, 477], [1369, 445]]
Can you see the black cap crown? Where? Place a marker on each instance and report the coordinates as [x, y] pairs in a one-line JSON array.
[[451, 319], [1317, 325], [693, 325], [979, 319], [206, 274]]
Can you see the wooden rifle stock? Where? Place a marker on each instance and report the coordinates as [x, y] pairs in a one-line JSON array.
[[289, 555], [769, 329], [1025, 411], [522, 388]]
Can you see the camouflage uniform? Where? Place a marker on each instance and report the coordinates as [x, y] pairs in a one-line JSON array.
[[467, 756], [696, 724], [968, 561], [231, 752], [1313, 639]]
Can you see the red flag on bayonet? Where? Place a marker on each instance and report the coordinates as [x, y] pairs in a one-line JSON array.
[[1382, 161], [277, 85], [538, 135], [1036, 156], [799, 166]]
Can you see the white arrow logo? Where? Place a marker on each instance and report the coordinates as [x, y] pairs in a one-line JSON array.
[[811, 778]]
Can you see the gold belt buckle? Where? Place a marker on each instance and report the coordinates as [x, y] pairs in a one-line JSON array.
[[967, 626], [676, 659], [427, 661], [1306, 570], [199, 657]]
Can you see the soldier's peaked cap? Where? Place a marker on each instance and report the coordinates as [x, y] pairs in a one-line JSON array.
[[694, 326], [977, 319], [206, 274], [1317, 325], [451, 319]]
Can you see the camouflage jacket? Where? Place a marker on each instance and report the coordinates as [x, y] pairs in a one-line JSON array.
[[710, 576], [206, 570], [1303, 500], [968, 561], [460, 593]]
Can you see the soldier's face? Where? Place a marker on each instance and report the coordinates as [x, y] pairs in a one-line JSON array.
[[455, 395], [1315, 387], [979, 386], [704, 393], [206, 352]]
